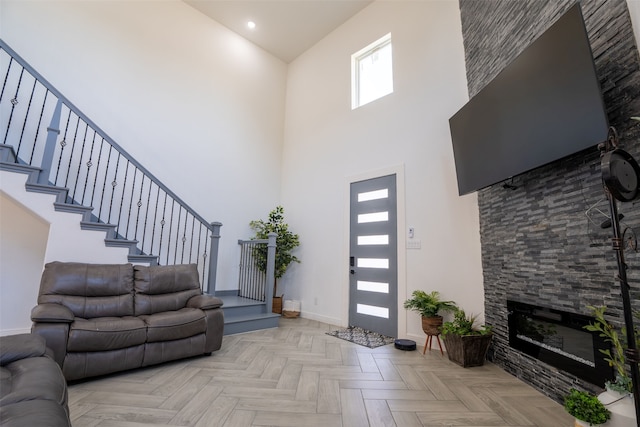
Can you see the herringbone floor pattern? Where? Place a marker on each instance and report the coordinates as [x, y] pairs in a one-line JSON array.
[[296, 375]]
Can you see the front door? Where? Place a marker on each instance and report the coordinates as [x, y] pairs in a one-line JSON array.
[[373, 278]]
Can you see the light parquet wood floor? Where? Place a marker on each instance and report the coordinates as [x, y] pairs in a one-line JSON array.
[[296, 375]]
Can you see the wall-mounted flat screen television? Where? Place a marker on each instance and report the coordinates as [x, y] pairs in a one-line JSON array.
[[545, 105]]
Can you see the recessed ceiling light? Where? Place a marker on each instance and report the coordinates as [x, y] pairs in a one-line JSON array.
[[251, 25]]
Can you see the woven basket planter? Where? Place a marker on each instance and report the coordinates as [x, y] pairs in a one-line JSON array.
[[467, 350], [290, 314], [277, 305], [432, 325]]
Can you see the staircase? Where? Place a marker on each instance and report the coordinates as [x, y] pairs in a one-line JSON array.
[[244, 314], [64, 154]]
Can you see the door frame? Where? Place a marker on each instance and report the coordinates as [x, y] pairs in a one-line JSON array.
[[398, 170]]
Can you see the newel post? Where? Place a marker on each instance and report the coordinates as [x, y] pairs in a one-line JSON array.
[[50, 145], [213, 257], [271, 270]]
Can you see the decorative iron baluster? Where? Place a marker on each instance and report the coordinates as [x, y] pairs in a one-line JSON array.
[[14, 102], [63, 144], [184, 237], [104, 185], [95, 181], [35, 139], [175, 250], [146, 216], [26, 116], [199, 237], [6, 78], [162, 223], [75, 184], [139, 204], [114, 183], [73, 146], [193, 225], [133, 186], [88, 164], [204, 268], [173, 205], [124, 187], [155, 217]]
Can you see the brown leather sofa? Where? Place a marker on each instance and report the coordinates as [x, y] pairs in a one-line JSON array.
[[33, 391], [103, 318]]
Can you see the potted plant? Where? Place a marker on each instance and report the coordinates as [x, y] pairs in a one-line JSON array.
[[467, 345], [618, 394], [429, 305], [585, 408], [286, 242]]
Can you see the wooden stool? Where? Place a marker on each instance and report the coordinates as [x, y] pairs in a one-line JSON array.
[[430, 341]]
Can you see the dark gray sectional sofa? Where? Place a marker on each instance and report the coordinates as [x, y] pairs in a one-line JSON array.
[[33, 391], [103, 318]]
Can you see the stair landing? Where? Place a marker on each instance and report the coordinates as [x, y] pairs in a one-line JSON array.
[[245, 315]]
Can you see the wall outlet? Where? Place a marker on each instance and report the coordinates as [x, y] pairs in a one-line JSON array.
[[315, 300]]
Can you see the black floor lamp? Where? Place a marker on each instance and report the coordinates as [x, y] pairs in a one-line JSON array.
[[621, 178]]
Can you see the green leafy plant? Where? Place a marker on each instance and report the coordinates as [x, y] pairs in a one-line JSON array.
[[616, 359], [464, 324], [586, 407], [286, 242], [428, 304]]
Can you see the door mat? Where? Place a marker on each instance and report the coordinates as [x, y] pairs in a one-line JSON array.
[[361, 336]]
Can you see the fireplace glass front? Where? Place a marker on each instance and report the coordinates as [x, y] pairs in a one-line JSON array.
[[558, 338]]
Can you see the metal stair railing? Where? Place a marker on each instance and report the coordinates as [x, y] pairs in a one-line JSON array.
[[257, 269], [47, 131]]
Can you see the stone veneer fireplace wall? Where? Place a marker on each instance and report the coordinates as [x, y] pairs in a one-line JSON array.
[[542, 243]]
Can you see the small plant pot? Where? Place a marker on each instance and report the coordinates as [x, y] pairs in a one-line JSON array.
[[467, 350], [431, 325], [578, 423]]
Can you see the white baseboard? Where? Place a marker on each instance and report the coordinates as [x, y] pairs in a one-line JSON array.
[[320, 318]]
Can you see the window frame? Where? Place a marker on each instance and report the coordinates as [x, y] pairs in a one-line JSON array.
[[363, 53]]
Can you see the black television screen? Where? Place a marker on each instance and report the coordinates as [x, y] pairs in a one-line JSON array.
[[543, 106]]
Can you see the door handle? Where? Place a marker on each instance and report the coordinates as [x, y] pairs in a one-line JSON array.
[[352, 271]]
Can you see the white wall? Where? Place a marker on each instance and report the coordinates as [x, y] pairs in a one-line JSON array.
[[23, 243], [197, 105], [634, 11], [326, 143]]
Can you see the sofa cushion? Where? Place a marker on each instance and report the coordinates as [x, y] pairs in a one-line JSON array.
[[20, 346], [106, 333], [30, 413], [162, 288], [163, 351], [173, 325], [32, 378], [93, 363], [89, 290]]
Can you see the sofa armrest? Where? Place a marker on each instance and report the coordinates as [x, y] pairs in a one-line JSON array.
[[204, 302], [51, 313], [21, 346]]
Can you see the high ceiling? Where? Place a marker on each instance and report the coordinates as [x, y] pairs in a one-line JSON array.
[[285, 28]]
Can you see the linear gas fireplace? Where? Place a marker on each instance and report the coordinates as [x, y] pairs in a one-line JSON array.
[[558, 338]]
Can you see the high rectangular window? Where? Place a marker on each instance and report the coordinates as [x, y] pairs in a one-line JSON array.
[[371, 72]]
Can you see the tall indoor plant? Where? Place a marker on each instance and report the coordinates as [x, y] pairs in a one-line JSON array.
[[286, 242]]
